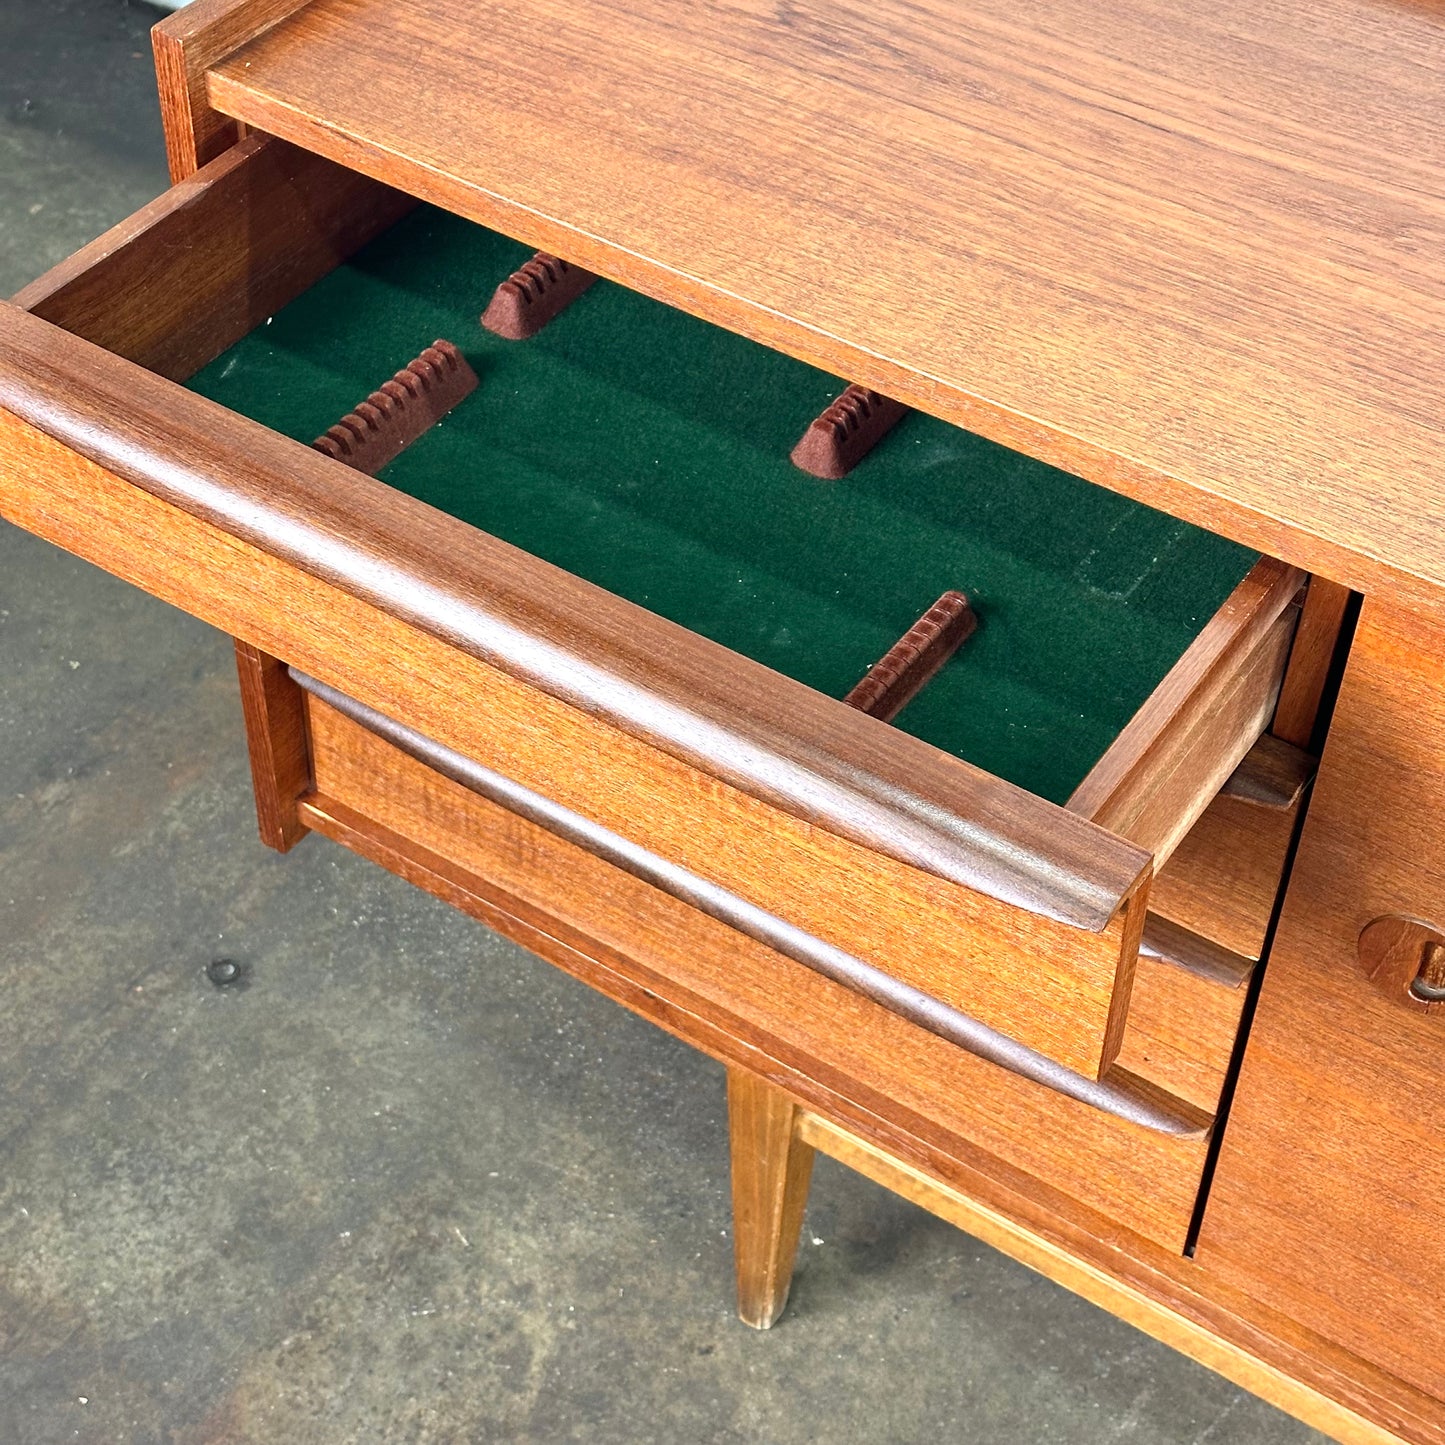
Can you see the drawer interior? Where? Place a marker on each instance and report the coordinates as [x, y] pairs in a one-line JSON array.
[[648, 452]]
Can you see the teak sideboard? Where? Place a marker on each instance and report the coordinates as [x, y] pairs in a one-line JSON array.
[[951, 623]]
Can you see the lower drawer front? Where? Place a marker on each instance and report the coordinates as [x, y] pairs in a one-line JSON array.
[[732, 996]]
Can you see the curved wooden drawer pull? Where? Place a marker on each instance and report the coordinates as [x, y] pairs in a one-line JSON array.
[[1405, 959]]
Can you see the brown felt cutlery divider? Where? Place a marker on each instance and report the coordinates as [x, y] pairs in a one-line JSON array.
[[533, 295], [400, 410], [848, 428], [905, 669]]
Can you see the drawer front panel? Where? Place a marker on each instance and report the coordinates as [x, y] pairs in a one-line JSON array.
[[1043, 983], [692, 968]]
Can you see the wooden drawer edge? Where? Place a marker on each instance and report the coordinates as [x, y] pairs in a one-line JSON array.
[[1178, 750], [1058, 989], [175, 284]]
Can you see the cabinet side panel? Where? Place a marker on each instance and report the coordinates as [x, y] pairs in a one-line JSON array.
[[1329, 1199]]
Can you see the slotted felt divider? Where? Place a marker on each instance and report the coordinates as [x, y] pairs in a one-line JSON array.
[[648, 452]]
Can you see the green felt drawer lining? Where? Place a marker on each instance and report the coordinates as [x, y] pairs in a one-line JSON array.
[[647, 451]]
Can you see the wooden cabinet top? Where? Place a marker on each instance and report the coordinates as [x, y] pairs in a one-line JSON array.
[[1193, 252]]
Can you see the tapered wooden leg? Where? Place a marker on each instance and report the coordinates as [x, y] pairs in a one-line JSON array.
[[771, 1168], [275, 709]]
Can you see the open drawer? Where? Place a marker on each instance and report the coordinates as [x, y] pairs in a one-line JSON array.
[[982, 867]]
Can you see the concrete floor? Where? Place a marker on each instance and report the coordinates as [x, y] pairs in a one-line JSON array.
[[406, 1183]]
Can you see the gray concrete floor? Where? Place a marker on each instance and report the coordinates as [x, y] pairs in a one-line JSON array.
[[408, 1183]]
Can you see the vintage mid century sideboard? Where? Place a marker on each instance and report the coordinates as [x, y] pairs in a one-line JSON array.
[[930, 585]]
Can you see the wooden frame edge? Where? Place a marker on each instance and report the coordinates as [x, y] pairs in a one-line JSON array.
[[186, 44], [235, 242], [1302, 694], [279, 743], [1246, 635], [1090, 1282]]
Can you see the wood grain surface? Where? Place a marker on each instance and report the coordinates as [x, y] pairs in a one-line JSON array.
[[1190, 252], [1297, 717], [1114, 1095], [1184, 1012], [1224, 878], [1274, 774], [1189, 996], [1329, 1200], [174, 285], [1405, 960]]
